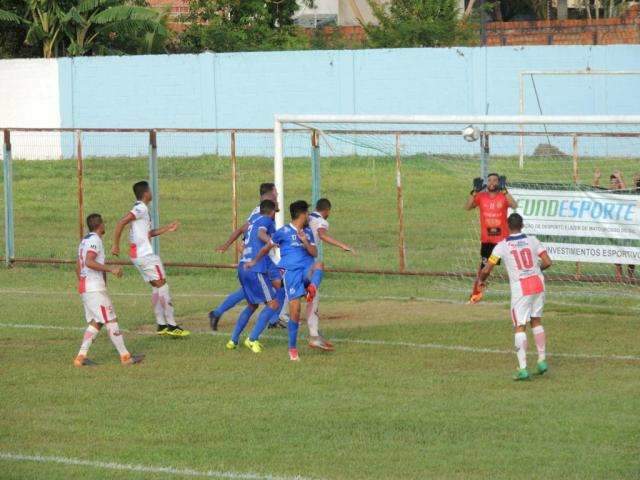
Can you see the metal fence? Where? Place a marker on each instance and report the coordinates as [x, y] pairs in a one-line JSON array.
[[207, 174]]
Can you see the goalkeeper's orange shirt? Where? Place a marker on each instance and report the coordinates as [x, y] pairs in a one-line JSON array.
[[493, 216]]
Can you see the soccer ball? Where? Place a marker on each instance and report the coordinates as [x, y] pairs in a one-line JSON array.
[[470, 133]]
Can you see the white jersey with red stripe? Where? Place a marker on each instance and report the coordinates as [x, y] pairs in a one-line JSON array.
[[316, 222], [91, 280], [139, 244], [520, 254]]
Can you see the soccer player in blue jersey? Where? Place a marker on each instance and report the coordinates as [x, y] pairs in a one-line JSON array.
[[253, 276], [268, 191], [302, 274]]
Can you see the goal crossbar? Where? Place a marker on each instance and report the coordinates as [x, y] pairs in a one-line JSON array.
[[521, 120]]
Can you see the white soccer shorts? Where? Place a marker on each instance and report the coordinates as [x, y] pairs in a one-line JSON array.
[[525, 307], [98, 307], [150, 267]]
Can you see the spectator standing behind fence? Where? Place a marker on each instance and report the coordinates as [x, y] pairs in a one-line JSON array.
[[616, 182]]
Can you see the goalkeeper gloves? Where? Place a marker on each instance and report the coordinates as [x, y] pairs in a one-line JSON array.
[[478, 186], [502, 184]]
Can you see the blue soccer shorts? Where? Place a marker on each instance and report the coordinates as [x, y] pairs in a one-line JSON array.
[[256, 286]]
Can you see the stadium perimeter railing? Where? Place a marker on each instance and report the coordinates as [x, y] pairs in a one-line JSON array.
[[234, 162]]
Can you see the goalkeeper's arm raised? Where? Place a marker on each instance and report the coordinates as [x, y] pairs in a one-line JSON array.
[[478, 186]]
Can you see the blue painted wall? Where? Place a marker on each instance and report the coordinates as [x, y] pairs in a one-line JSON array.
[[246, 89]]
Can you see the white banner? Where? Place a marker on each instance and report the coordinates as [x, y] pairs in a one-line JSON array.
[[611, 221]]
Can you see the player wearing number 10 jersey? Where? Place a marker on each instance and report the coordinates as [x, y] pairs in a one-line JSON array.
[[493, 201], [524, 257]]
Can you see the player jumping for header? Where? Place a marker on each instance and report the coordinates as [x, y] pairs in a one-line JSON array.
[[493, 205], [92, 286], [320, 227], [524, 257], [302, 275], [149, 264], [253, 277], [267, 192]]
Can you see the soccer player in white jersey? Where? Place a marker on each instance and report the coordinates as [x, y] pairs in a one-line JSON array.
[[92, 286], [149, 264], [320, 227], [525, 258]]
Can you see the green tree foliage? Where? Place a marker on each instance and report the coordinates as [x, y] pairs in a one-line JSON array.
[[85, 27], [417, 23], [13, 31], [241, 25]]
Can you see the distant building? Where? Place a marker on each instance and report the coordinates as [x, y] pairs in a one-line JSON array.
[[342, 13]]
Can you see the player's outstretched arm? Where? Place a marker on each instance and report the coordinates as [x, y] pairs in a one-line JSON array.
[[263, 251], [90, 261], [232, 238], [170, 227], [117, 233], [545, 261], [325, 237]]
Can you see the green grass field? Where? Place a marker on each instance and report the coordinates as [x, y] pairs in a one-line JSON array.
[[401, 397], [419, 386]]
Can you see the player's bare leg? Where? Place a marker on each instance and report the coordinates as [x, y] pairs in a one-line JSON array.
[[317, 272], [251, 342], [541, 344], [292, 326], [478, 287], [315, 339], [279, 319], [521, 344], [116, 338], [90, 335], [164, 306]]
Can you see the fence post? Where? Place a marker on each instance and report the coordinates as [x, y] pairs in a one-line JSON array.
[[575, 159], [315, 176], [9, 253], [400, 205], [575, 182], [234, 191], [153, 180], [80, 175]]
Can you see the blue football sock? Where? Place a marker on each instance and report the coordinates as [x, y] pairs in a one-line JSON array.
[[242, 321], [293, 333], [261, 324], [316, 277], [231, 301], [275, 314]]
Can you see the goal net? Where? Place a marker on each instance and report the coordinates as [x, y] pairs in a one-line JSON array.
[[399, 185]]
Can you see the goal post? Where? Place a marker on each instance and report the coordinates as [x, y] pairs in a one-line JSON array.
[[403, 182]]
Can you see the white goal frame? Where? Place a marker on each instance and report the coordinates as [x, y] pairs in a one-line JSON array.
[[462, 120]]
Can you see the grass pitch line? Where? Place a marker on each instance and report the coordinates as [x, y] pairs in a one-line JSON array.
[[355, 341], [184, 472], [335, 297]]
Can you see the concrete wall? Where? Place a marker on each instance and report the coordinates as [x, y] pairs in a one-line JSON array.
[[245, 90]]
